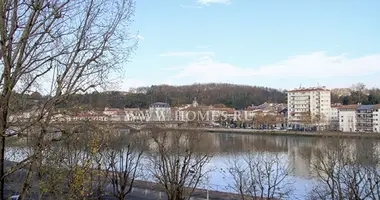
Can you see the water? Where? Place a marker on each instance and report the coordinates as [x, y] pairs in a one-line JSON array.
[[294, 151]]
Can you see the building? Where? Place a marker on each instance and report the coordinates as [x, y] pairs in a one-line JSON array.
[[306, 105], [159, 111], [367, 118], [134, 114], [334, 118], [347, 118]]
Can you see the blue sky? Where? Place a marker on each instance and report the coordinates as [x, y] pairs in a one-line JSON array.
[[281, 44]]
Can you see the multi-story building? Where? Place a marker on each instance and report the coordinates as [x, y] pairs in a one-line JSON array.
[[376, 118], [347, 118], [368, 118], [309, 104], [334, 118]]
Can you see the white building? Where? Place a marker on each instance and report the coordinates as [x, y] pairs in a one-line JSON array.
[[347, 118], [367, 118], [334, 118], [314, 103], [159, 112], [376, 118]]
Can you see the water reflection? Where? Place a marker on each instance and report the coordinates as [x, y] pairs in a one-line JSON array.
[[299, 152]]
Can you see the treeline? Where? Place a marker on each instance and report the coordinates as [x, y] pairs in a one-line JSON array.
[[371, 96], [236, 96], [358, 93], [231, 95]]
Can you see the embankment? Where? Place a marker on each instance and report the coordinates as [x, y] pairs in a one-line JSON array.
[[284, 133]]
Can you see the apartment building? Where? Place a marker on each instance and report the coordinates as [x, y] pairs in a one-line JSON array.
[[334, 118], [313, 103], [367, 118], [347, 118]]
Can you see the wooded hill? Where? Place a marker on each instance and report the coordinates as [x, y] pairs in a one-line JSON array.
[[231, 95]]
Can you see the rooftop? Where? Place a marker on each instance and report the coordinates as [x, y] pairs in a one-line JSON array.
[[352, 106], [160, 104], [301, 89], [365, 107]]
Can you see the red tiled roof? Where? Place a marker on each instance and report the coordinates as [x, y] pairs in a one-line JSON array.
[[353, 106], [228, 110]]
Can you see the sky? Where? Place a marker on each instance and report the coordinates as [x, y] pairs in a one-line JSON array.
[[279, 44]]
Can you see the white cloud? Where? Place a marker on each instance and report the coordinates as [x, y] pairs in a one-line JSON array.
[[207, 2], [313, 65], [187, 54]]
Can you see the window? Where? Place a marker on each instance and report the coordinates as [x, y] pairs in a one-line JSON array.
[[342, 120]]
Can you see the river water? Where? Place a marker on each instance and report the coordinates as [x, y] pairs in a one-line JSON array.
[[295, 151]]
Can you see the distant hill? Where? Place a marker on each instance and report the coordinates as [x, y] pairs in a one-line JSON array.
[[231, 95]]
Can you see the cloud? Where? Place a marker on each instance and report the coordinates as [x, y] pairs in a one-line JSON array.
[[138, 37], [187, 54], [314, 65], [207, 2]]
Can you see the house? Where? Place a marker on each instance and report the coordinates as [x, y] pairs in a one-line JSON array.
[[135, 114], [90, 116], [111, 111], [347, 118], [159, 111]]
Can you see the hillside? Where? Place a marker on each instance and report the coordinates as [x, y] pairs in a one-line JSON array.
[[237, 96]]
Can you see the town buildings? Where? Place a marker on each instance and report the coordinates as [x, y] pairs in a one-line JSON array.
[[309, 106], [359, 118]]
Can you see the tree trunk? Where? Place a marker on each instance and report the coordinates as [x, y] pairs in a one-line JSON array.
[[2, 154]]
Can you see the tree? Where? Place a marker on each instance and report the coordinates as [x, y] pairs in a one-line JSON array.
[[340, 175], [124, 165], [345, 100], [320, 120], [306, 119], [259, 177], [177, 162], [358, 89], [75, 44]]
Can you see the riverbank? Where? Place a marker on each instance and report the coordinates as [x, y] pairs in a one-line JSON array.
[[143, 190], [284, 132]]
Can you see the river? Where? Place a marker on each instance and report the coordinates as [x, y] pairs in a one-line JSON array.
[[295, 151]]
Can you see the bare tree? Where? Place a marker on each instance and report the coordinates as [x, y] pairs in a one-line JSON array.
[[61, 47], [178, 162], [320, 120], [306, 119], [359, 89], [340, 175], [124, 166], [259, 176]]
